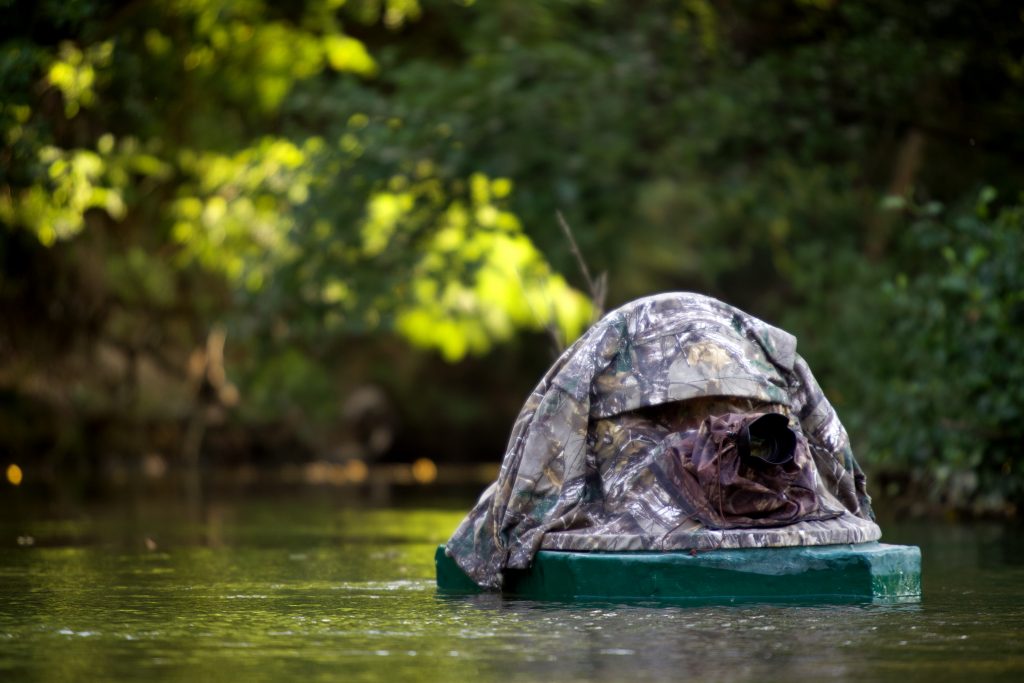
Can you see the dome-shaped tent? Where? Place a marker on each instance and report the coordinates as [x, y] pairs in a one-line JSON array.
[[644, 435]]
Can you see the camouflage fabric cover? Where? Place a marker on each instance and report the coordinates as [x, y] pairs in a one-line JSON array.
[[588, 461], [728, 488]]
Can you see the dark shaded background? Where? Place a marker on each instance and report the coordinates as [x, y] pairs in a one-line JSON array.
[[242, 236]]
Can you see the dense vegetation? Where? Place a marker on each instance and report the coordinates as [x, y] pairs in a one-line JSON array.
[[259, 230]]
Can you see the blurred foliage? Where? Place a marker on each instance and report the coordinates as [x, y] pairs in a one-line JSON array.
[[328, 177], [949, 331]]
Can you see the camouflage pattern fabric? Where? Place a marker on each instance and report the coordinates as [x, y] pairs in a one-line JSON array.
[[592, 457], [730, 488]]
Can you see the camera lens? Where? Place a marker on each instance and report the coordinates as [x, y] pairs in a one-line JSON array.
[[768, 438]]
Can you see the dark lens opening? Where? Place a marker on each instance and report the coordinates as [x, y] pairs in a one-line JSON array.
[[769, 438]]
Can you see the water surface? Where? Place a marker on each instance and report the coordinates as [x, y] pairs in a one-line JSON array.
[[312, 588]]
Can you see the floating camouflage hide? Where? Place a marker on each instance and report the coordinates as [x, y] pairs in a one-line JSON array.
[[677, 422]]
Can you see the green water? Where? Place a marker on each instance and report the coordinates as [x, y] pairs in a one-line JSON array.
[[308, 588]]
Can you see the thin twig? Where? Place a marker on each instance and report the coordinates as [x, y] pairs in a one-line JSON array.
[[598, 287]]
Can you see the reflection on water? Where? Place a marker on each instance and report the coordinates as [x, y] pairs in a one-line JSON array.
[[309, 589]]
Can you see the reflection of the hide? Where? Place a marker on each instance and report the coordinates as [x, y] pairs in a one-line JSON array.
[[617, 642]]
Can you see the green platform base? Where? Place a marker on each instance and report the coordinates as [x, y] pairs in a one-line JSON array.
[[866, 572]]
